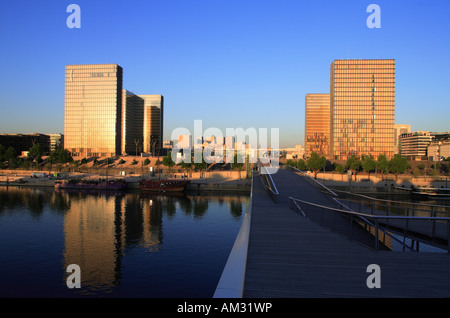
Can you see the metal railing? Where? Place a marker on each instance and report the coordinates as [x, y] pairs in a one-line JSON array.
[[413, 207], [326, 216], [231, 282], [314, 181], [269, 184]]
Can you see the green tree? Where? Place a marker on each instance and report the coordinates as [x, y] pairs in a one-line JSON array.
[[301, 164], [237, 164], [60, 155], [354, 164], [35, 154], [290, 162], [168, 162], [340, 168], [10, 155], [368, 163], [186, 165], [146, 162], [382, 164], [398, 165], [315, 163], [2, 153]]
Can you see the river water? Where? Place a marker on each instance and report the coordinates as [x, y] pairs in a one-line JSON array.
[[125, 244]]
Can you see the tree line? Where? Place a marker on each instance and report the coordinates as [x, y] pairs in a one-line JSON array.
[[9, 157], [396, 165]]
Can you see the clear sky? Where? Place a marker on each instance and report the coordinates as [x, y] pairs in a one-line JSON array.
[[230, 63]]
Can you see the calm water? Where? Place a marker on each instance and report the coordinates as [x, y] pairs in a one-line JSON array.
[[126, 244]]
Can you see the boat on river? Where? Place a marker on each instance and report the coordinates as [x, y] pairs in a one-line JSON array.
[[441, 193], [91, 184], [165, 185]]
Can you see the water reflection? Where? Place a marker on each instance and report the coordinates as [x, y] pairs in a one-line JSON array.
[[101, 229]]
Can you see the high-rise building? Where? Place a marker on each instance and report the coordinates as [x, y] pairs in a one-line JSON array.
[[153, 123], [317, 124], [132, 123], [362, 108], [93, 109], [400, 129]]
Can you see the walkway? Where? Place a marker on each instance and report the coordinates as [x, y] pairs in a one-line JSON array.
[[290, 256]]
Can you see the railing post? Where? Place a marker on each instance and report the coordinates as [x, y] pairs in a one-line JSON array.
[[351, 227], [448, 236], [407, 219], [433, 214], [376, 234]]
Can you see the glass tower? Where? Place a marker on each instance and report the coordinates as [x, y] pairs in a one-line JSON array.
[[362, 108], [93, 110], [317, 124], [132, 123], [153, 123]]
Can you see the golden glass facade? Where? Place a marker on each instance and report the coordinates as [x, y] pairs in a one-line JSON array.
[[93, 110], [132, 123], [362, 108], [317, 124], [153, 123]]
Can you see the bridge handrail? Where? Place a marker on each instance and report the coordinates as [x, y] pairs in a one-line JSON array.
[[374, 225], [393, 201], [319, 183], [272, 183], [376, 218], [231, 282], [268, 182]]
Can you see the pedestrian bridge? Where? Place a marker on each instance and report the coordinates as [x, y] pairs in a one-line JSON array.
[[301, 239]]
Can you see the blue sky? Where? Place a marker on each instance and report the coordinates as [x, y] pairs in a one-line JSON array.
[[233, 63]]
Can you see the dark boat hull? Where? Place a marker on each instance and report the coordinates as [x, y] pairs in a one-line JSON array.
[[164, 185], [91, 186]]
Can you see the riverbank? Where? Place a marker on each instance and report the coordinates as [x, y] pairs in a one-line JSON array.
[[210, 181], [225, 180]]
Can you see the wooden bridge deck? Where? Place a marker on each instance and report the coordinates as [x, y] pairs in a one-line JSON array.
[[290, 256]]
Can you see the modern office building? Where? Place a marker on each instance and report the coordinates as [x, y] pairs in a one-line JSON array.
[[56, 141], [439, 149], [415, 144], [132, 123], [93, 110], [23, 142], [400, 130], [317, 124], [153, 123], [362, 108]]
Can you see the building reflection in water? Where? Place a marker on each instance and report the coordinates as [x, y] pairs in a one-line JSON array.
[[101, 227]]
